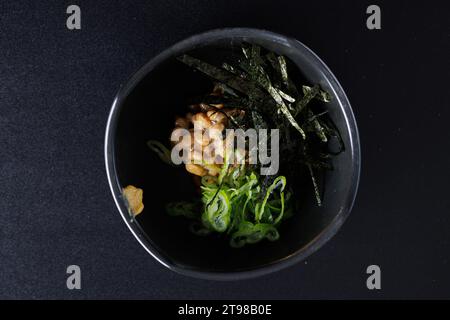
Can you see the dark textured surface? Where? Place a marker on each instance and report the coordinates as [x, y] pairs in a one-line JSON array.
[[56, 87]]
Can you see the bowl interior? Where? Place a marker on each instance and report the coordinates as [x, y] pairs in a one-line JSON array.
[[148, 111]]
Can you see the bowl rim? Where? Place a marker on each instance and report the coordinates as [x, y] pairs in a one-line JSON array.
[[189, 43]]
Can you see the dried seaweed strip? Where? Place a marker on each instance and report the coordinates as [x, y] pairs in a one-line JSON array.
[[285, 96], [257, 74], [318, 128], [315, 185], [224, 76]]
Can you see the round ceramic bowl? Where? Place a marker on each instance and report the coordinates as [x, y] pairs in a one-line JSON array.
[[145, 108]]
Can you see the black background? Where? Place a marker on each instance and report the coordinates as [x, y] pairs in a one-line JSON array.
[[57, 86]]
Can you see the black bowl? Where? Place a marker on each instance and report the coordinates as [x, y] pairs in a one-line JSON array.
[[145, 108]]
